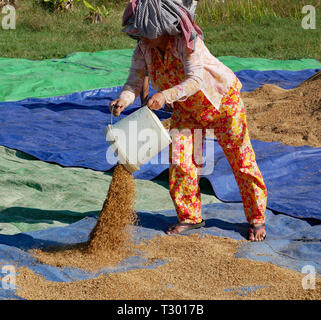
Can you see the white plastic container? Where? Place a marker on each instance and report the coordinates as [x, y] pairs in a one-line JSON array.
[[137, 138]]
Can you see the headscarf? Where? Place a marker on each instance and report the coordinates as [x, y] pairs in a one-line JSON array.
[[154, 18]]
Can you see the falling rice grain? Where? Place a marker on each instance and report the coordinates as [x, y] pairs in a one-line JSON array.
[[110, 240]]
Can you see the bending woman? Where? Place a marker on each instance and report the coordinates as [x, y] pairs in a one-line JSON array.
[[204, 94]]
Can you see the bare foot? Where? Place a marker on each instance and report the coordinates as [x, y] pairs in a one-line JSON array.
[[257, 233]]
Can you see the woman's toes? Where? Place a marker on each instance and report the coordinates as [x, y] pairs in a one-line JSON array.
[[260, 233], [260, 236]]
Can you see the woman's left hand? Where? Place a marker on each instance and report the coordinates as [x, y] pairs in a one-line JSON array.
[[156, 101]]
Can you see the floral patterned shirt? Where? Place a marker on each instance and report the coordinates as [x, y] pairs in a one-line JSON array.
[[202, 72]]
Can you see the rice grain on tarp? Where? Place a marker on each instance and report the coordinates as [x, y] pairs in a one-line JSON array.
[[292, 117], [197, 267]]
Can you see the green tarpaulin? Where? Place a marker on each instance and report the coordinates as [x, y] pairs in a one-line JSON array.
[[260, 64], [37, 195], [23, 78]]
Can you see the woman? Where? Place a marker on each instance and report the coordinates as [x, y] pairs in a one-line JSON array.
[[204, 94]]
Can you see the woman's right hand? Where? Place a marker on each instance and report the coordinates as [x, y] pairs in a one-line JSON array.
[[117, 106]]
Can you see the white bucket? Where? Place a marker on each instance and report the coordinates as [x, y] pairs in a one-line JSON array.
[[137, 138]]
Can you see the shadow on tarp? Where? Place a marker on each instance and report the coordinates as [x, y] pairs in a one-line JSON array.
[[31, 216], [291, 243]]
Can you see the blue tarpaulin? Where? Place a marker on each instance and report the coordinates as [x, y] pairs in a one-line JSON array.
[[69, 130], [252, 79], [291, 243]]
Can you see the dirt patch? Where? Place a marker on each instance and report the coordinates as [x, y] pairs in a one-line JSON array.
[[110, 240], [197, 268]]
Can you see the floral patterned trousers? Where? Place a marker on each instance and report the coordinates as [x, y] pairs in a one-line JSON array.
[[230, 128]]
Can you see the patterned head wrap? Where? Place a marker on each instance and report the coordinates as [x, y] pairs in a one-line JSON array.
[[154, 18]]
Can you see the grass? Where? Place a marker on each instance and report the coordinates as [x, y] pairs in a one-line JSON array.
[[280, 38], [250, 11], [271, 29]]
